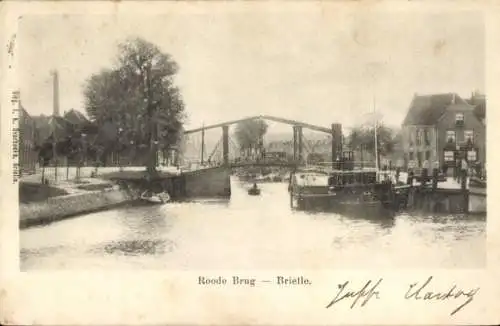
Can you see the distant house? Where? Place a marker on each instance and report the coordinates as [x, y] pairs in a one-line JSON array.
[[42, 129], [442, 128], [76, 119]]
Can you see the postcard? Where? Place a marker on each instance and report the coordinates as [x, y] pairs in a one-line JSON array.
[[249, 163]]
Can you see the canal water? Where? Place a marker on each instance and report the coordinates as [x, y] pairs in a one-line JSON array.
[[259, 232]]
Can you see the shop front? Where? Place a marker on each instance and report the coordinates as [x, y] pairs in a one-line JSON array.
[[453, 155]]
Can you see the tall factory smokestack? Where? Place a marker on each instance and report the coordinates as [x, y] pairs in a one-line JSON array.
[[55, 76]]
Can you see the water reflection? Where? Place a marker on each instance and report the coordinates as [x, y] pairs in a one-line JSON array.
[[253, 232], [137, 247]]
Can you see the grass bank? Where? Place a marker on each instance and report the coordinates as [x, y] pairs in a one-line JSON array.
[[38, 192]]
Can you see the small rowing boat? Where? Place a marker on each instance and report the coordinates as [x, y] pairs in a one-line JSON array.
[[155, 198]]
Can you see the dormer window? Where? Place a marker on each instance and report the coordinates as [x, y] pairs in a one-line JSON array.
[[459, 119]]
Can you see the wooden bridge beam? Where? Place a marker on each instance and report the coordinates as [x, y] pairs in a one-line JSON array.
[[265, 117]]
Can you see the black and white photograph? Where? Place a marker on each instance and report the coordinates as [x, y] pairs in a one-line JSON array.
[[252, 140]]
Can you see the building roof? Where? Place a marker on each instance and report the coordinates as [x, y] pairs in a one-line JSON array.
[[26, 117], [46, 124], [478, 101], [427, 109], [76, 117]]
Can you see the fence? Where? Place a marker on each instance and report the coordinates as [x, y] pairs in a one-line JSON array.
[[70, 173]]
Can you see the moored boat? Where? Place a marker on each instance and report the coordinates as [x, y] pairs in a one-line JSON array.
[[155, 198], [342, 189]]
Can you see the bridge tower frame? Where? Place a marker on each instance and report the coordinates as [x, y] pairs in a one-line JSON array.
[[297, 144]]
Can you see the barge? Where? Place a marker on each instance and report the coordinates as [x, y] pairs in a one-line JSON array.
[[343, 189], [344, 192]]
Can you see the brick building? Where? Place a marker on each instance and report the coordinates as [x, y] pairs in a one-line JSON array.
[[443, 128]]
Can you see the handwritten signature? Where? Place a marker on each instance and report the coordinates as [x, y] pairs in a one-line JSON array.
[[421, 293], [366, 292], [415, 291]]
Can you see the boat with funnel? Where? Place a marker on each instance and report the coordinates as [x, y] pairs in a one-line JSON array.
[[341, 189]]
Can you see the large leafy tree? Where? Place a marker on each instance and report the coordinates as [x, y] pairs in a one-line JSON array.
[[249, 134], [136, 103], [363, 138]]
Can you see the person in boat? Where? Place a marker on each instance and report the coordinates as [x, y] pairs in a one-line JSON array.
[[254, 187]]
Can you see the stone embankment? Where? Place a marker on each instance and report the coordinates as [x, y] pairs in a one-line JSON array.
[[61, 207]]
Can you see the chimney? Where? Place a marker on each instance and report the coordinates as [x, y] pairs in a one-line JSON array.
[[55, 89], [453, 98]]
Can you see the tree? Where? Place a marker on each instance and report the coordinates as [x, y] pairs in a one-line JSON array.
[[136, 103], [363, 138], [249, 134]]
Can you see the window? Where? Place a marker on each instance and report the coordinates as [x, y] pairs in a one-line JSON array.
[[471, 156], [412, 156], [459, 119], [410, 139], [427, 140], [428, 155], [450, 137], [469, 136], [419, 137], [449, 156]]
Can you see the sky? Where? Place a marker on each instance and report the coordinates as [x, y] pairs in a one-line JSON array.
[[312, 67]]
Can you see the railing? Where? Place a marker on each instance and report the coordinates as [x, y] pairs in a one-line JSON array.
[[239, 161], [56, 175], [356, 164]]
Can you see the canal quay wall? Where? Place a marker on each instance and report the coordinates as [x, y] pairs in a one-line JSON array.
[[452, 201], [202, 183], [477, 201], [61, 207], [440, 200], [206, 183], [211, 182]]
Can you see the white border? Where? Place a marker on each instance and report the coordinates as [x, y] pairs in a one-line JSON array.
[[174, 297]]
